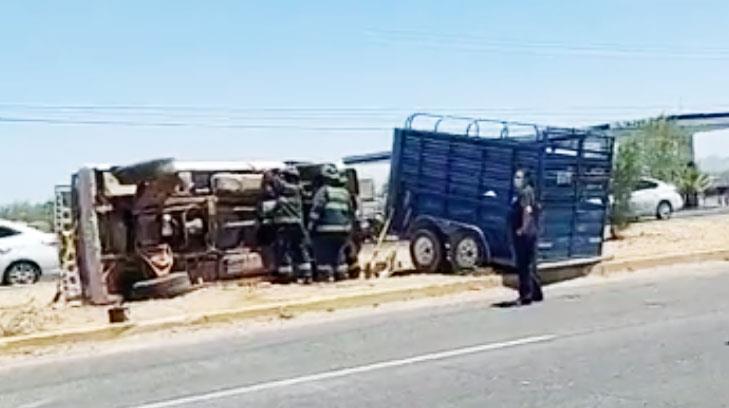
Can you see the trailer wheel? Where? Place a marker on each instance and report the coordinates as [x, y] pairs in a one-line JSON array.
[[168, 286], [466, 251], [427, 251]]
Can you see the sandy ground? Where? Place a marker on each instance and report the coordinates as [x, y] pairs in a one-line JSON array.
[[29, 310], [671, 237]]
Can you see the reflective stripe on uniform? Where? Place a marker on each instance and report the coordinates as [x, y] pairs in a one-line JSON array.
[[338, 194], [268, 206], [332, 210], [286, 220], [336, 206], [289, 200], [333, 228]]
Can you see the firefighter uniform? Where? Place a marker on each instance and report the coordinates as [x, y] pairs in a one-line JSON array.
[[351, 249], [330, 225], [285, 214]]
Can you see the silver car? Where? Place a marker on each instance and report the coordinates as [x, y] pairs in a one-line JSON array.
[[26, 253]]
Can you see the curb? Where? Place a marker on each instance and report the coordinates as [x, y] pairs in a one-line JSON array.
[[290, 309], [630, 265], [281, 309]]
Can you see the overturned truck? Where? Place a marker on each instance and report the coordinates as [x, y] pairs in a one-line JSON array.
[[156, 228]]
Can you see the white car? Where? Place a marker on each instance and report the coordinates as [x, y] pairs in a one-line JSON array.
[[26, 253], [654, 198]]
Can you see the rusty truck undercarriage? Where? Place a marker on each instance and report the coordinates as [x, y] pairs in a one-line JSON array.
[[156, 228]]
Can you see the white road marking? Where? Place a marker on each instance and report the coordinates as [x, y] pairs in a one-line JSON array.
[[442, 355]]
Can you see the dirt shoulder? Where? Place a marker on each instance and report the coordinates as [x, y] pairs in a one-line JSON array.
[[680, 235], [29, 310]]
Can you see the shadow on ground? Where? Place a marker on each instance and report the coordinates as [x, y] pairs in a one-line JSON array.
[[549, 276], [510, 280]]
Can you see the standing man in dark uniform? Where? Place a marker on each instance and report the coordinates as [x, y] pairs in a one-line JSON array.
[[287, 217], [330, 224], [524, 226]]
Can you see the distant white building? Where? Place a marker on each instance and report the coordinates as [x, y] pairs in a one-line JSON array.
[[373, 172]]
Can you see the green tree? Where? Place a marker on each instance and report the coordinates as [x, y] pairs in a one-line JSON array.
[[37, 214], [692, 183], [665, 149], [657, 148], [627, 170]]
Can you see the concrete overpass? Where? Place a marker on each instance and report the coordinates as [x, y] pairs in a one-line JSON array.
[[693, 122]]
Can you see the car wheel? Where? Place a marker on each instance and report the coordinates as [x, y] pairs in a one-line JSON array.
[[172, 285], [22, 273], [466, 252], [664, 210], [427, 251]]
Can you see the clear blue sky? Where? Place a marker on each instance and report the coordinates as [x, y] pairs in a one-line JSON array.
[[322, 79]]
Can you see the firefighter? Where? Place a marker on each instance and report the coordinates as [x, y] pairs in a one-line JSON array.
[[266, 233], [351, 248], [330, 225], [283, 200]]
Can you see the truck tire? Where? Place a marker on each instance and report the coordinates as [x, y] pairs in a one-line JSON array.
[[466, 251], [144, 171], [427, 251], [168, 286]]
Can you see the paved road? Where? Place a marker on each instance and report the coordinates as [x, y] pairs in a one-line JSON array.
[[638, 342], [701, 212]]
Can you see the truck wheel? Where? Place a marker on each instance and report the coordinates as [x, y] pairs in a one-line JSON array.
[[427, 251], [466, 251], [172, 285]]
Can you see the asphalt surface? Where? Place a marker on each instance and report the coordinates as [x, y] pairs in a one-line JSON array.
[[653, 340], [701, 212]]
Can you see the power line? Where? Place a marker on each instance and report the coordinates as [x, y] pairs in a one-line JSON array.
[[475, 43], [175, 118], [311, 110], [337, 119], [584, 46], [51, 121]]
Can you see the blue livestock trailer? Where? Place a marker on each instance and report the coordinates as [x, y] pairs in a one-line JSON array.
[[450, 192]]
